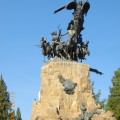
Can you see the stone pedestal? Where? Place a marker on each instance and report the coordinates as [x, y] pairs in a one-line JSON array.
[[53, 102]]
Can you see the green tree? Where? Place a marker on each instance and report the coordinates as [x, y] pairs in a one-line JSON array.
[[113, 103], [5, 104], [18, 114], [12, 115], [98, 101], [97, 96]]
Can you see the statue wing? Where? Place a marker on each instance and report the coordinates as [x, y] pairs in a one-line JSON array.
[[69, 84], [86, 7], [71, 5]]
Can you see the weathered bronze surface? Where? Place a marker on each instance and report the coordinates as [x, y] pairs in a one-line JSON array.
[[73, 48], [69, 86], [86, 115]]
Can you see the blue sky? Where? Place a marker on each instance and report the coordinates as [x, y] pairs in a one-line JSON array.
[[23, 22]]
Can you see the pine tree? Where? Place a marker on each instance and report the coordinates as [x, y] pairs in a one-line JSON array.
[[113, 103], [12, 115], [5, 105], [97, 96], [18, 114]]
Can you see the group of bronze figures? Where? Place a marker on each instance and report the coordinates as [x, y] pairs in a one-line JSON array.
[[73, 48]]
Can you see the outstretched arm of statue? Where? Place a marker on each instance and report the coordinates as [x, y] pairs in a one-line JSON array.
[[65, 34]]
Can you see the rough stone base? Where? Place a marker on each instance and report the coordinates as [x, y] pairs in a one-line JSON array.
[[54, 103]]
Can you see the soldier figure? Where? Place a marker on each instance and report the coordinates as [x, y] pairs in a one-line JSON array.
[[57, 44], [86, 115], [55, 36]]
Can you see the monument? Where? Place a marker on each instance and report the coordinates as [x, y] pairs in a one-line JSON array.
[[65, 91], [73, 48]]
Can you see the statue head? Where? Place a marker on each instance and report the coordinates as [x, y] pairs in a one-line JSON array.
[[71, 27], [80, 2], [42, 38], [54, 33]]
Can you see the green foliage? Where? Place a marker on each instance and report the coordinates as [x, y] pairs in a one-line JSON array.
[[18, 114], [98, 101], [5, 105], [12, 115], [97, 96], [113, 103]]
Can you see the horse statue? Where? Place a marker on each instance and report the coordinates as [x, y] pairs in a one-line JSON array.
[[46, 48]]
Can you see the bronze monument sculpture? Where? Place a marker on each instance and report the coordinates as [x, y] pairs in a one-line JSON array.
[[73, 48], [86, 115], [69, 86]]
